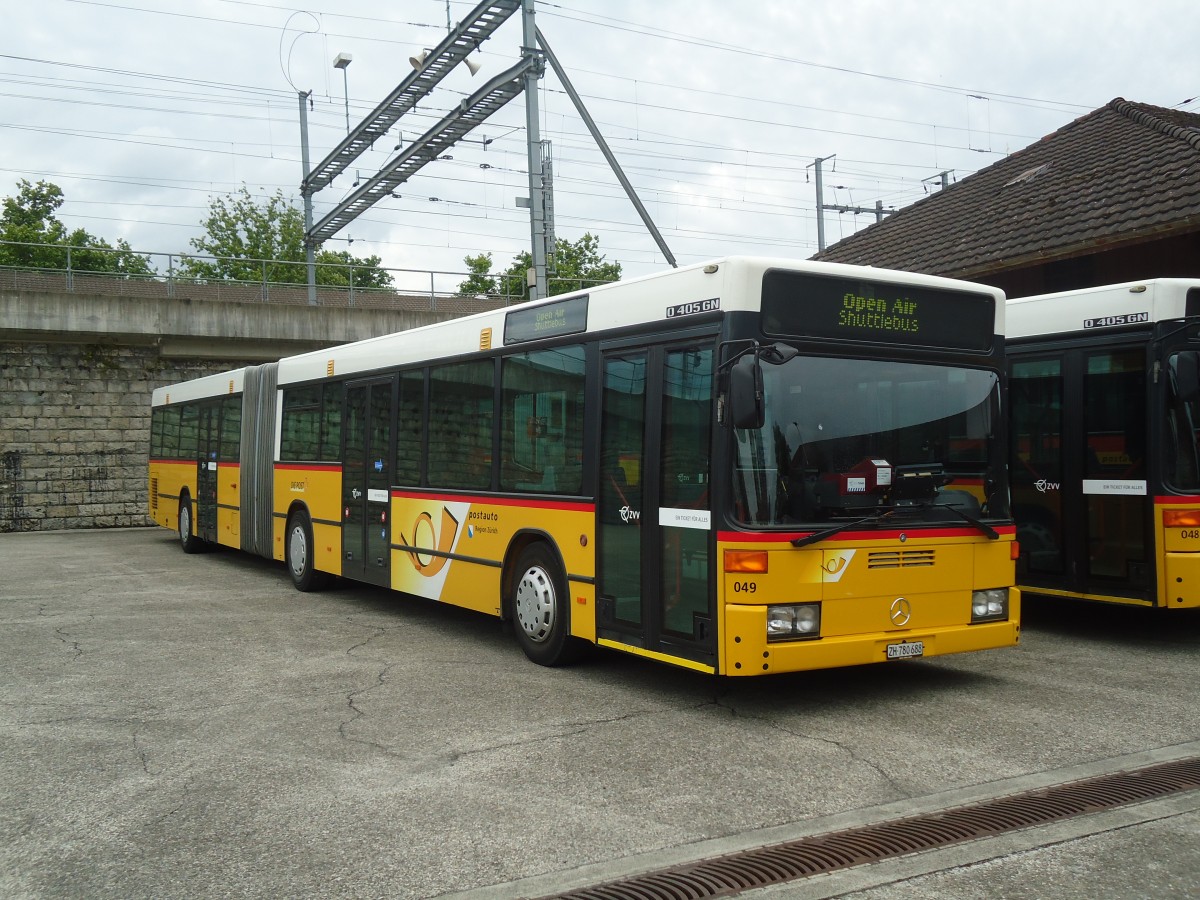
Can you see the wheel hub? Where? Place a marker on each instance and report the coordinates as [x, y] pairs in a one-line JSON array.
[[297, 551], [535, 604]]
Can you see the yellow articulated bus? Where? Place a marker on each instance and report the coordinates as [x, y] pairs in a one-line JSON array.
[[1105, 457], [739, 467]]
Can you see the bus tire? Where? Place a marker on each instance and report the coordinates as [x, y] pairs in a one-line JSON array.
[[300, 553], [188, 541], [541, 612]]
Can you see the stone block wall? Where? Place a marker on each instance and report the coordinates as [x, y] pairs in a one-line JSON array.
[[75, 431]]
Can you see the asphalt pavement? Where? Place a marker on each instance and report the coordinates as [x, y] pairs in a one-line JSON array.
[[191, 726]]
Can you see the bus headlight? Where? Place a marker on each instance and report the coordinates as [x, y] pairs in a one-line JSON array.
[[795, 622], [990, 605]]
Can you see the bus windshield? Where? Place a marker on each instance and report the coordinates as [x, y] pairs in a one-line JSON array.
[[845, 438]]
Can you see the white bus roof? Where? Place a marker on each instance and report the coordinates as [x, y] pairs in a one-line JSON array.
[[1099, 308], [735, 280], [231, 382]]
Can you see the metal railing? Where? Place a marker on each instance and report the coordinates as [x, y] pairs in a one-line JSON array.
[[73, 270]]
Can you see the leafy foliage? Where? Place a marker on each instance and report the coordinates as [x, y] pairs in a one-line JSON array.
[[480, 281], [41, 241], [577, 265], [252, 241]]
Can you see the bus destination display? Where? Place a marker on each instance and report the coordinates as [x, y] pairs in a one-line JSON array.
[[803, 305], [550, 320]]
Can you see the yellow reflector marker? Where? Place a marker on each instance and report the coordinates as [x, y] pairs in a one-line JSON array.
[[329, 368], [746, 561], [485, 339], [1181, 518]]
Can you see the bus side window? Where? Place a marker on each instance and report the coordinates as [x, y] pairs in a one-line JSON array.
[[542, 441], [331, 422], [231, 429], [460, 425], [157, 417], [410, 428], [189, 431], [170, 432], [301, 424]]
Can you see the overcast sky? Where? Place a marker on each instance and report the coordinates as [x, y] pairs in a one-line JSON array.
[[141, 112]]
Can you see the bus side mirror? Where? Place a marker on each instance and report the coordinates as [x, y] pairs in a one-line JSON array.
[[1187, 375], [746, 393]]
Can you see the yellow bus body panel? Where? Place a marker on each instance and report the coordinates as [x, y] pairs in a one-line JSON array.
[[1178, 566], [318, 489], [745, 650], [452, 549], [857, 583], [229, 479], [169, 479]]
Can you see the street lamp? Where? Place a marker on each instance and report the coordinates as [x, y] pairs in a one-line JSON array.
[[342, 61]]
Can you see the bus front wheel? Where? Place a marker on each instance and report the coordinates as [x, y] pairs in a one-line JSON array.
[[540, 610], [187, 540], [300, 553]]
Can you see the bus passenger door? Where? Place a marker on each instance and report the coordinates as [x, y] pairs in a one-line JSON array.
[[1078, 472], [366, 480], [654, 559], [208, 447]]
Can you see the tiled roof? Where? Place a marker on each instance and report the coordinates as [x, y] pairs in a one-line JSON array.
[[1124, 172]]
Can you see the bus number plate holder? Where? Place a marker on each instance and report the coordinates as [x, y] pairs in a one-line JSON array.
[[906, 650]]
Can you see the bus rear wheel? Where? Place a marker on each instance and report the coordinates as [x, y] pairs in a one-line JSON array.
[[540, 611], [187, 540], [300, 554]]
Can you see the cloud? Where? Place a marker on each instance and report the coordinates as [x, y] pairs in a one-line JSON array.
[[716, 112]]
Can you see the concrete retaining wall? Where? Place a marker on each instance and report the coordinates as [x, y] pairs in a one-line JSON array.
[[74, 431], [77, 371]]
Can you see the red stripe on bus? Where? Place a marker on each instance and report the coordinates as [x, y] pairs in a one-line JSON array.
[[1177, 499], [782, 537], [191, 462], [581, 506], [308, 467]]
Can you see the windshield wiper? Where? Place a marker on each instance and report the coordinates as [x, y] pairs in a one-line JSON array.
[[830, 532], [992, 533]]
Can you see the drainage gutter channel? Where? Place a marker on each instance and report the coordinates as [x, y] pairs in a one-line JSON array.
[[747, 870], [1159, 780]]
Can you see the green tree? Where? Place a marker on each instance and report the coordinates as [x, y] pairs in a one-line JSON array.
[[334, 269], [249, 240], [480, 281], [38, 239], [577, 265]]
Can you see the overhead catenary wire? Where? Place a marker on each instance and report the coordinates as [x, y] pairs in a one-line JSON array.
[[675, 169]]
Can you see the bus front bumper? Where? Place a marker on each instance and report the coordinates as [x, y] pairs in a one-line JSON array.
[[747, 651]]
